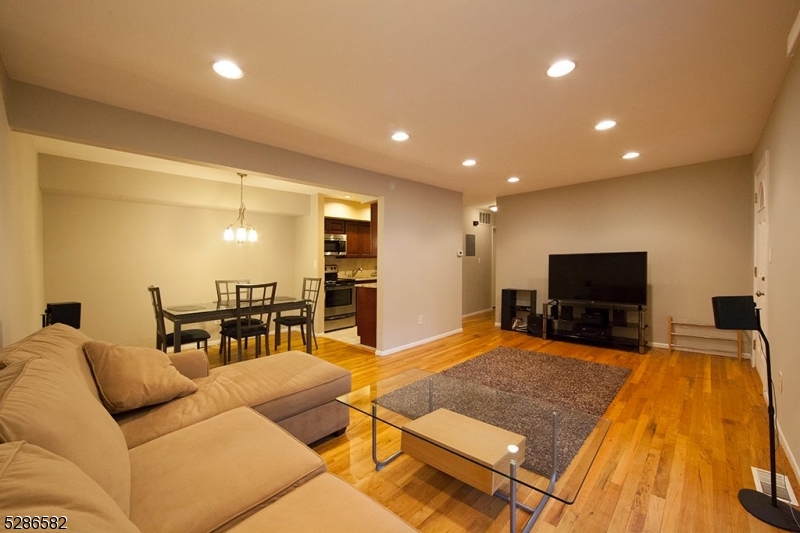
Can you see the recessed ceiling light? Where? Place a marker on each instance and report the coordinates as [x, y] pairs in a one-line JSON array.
[[493, 208], [399, 136], [605, 125], [513, 179], [228, 69], [560, 68], [631, 155], [469, 163]]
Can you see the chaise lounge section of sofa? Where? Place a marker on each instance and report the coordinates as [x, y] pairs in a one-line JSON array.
[[62, 454], [294, 389]]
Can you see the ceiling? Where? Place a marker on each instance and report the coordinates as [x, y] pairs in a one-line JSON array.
[[686, 80]]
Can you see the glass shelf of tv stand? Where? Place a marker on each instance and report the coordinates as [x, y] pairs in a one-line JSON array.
[[595, 322], [432, 392]]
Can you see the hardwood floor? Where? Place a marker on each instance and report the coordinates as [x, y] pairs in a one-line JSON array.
[[686, 428]]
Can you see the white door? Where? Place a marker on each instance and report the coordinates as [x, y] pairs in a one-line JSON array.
[[761, 259]]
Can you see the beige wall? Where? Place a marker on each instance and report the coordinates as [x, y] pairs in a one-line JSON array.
[[420, 272], [337, 208], [105, 252], [21, 291], [477, 277], [781, 138], [695, 223]]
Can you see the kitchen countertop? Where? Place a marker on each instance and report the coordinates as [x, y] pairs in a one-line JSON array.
[[368, 285]]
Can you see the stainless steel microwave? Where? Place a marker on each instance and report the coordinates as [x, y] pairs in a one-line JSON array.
[[335, 244]]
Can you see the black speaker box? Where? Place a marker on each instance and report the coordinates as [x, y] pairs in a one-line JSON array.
[[68, 313], [535, 325], [735, 312], [619, 317]]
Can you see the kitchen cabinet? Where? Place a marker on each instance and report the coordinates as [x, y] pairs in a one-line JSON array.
[[335, 225], [373, 228], [367, 314], [358, 239]]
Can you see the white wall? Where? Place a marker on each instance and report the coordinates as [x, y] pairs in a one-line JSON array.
[[781, 137], [420, 273], [21, 291], [695, 222]]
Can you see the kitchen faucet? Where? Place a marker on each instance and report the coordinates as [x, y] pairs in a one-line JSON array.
[[357, 271]]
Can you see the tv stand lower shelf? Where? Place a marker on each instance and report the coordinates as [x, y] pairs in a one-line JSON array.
[[595, 322]]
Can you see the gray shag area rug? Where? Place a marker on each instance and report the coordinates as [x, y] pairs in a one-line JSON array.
[[519, 390]]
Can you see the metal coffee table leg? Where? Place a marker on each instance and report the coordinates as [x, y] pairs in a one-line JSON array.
[[512, 496], [379, 464]]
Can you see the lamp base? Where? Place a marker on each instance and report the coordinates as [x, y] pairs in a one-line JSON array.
[[760, 506]]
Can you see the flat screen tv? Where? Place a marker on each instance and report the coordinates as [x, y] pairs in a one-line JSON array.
[[616, 277]]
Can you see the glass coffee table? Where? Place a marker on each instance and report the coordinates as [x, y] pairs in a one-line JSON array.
[[493, 440]]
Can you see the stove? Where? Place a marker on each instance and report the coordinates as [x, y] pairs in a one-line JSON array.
[[340, 300]]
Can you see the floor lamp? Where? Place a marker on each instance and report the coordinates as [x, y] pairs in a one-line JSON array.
[[740, 312]]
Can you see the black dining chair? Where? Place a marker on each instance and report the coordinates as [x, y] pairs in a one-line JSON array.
[[166, 340], [253, 303], [311, 288], [226, 294]]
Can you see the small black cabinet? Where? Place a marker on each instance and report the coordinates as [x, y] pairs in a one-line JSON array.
[[516, 306], [595, 322]]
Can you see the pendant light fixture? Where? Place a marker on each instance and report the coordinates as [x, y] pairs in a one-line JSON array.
[[240, 231]]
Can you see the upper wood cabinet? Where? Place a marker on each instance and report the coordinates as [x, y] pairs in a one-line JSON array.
[[335, 225], [359, 243], [373, 230]]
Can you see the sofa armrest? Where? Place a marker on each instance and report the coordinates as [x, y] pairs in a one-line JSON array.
[[192, 363]]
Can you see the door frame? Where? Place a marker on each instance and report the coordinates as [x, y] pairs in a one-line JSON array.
[[761, 258]]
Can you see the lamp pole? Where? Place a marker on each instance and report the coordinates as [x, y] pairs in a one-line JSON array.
[[767, 508]]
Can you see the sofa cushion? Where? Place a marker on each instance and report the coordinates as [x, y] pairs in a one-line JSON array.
[[60, 343], [215, 471], [45, 404], [35, 482], [277, 386], [130, 377], [337, 508], [191, 363]]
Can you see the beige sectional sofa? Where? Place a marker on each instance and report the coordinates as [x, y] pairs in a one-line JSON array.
[[207, 460]]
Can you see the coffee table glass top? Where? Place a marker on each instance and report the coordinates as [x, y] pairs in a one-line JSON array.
[[412, 394]]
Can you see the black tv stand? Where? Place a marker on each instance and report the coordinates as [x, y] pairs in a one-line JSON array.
[[596, 322]]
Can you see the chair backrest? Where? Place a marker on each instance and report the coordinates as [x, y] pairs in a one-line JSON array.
[[226, 289], [161, 328], [311, 288], [252, 301]]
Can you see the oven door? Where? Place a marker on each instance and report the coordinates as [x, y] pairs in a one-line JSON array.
[[340, 300]]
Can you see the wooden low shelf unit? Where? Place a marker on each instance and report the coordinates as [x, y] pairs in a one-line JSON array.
[[682, 335]]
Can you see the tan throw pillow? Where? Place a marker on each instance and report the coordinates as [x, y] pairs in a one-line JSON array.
[[37, 483], [132, 377]]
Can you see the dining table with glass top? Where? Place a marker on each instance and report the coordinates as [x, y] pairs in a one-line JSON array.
[[210, 311], [451, 425]]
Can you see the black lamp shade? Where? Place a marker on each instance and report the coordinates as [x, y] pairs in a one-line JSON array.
[[735, 312]]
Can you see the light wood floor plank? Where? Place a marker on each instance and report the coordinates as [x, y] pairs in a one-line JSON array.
[[686, 428]]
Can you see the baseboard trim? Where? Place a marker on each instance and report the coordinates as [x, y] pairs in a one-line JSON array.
[[419, 342], [788, 451], [478, 312]]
